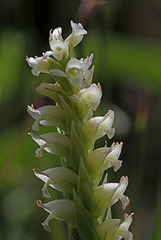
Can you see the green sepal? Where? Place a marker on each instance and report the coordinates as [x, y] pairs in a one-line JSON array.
[[52, 91], [85, 187], [85, 222], [76, 149]]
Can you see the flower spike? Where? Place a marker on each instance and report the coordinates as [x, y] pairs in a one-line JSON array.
[[70, 131]]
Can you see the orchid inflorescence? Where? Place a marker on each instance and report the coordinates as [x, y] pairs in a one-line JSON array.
[[86, 204]]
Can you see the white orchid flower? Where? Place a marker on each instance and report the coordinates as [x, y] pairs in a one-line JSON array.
[[76, 71], [54, 143], [97, 127], [61, 209], [108, 194], [47, 115], [60, 178], [116, 229]]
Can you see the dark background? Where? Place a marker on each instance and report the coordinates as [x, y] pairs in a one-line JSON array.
[[125, 37]]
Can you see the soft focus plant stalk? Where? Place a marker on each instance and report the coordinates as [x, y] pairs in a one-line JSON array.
[[86, 206]]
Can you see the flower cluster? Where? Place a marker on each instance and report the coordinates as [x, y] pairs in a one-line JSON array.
[[86, 205]]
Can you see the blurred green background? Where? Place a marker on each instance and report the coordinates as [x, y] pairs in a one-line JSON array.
[[125, 37]]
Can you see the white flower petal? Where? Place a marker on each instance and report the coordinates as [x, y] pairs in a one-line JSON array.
[[58, 72], [47, 54], [41, 64], [119, 193], [106, 125], [36, 115], [77, 33], [59, 48], [74, 72], [122, 231], [77, 70], [56, 34], [96, 128], [38, 64], [112, 157]]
